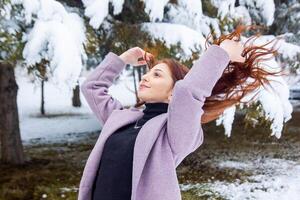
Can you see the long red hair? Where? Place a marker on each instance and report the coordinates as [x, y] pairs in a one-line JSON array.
[[234, 83]]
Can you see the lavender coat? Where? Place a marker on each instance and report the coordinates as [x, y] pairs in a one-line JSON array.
[[165, 140]]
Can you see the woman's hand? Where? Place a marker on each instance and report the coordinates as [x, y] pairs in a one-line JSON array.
[[135, 56], [234, 50]]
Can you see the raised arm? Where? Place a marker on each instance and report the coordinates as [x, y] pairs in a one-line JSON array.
[[95, 87], [184, 130]]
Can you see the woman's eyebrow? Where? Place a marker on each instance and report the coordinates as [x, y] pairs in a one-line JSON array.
[[159, 70]]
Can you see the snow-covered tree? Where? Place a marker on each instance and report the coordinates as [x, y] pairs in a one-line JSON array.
[[57, 36], [188, 22], [47, 39], [56, 42]]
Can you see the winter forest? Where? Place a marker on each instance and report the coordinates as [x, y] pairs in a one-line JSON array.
[[48, 130]]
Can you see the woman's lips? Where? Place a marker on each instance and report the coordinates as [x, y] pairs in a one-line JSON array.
[[142, 87]]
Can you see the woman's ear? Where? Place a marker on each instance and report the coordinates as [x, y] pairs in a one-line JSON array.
[[170, 97], [170, 94]]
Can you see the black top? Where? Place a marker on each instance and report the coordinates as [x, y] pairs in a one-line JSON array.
[[114, 177]]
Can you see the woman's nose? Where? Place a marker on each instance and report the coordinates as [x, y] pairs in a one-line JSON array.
[[144, 77]]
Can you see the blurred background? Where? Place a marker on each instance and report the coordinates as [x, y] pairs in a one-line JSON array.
[[47, 130]]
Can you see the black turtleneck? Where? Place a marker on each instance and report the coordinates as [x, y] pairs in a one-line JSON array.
[[114, 178], [152, 110]]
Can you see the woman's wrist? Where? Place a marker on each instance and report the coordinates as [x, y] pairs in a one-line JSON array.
[[124, 57]]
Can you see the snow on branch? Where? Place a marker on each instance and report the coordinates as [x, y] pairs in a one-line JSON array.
[[189, 39], [263, 8], [274, 99], [58, 37], [97, 10]]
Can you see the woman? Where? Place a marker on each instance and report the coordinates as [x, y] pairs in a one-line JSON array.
[[137, 152]]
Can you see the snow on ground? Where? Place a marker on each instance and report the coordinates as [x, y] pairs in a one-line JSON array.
[[274, 179], [62, 118]]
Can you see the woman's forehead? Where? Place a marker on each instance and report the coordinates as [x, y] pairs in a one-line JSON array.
[[162, 66]]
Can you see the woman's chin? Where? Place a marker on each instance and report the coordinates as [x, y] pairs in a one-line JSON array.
[[141, 97], [141, 93]]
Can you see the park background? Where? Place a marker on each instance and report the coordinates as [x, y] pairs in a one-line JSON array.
[[47, 130]]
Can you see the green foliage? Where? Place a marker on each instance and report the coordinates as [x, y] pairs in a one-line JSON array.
[[117, 38], [209, 9], [255, 116], [39, 69], [132, 12], [4, 2], [203, 192], [72, 3], [226, 24], [294, 64], [11, 45], [123, 36]]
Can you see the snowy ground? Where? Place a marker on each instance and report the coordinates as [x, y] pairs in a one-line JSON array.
[[62, 121], [273, 179]]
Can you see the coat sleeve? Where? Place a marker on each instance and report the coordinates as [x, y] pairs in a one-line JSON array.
[[184, 131], [95, 87]]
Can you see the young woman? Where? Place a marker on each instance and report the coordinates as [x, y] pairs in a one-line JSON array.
[[137, 152]]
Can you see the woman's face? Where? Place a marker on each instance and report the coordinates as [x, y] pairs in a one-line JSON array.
[[156, 85]]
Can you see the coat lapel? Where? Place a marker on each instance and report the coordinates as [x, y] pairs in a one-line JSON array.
[[143, 145]]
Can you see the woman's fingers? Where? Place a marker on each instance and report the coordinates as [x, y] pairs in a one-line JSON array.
[[141, 61], [148, 56], [137, 56], [240, 59], [239, 50], [234, 50]]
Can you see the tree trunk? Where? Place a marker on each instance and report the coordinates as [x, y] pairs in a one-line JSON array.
[[141, 71], [11, 144], [42, 98], [76, 96]]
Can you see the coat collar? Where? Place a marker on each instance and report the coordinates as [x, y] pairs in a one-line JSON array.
[[143, 144]]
